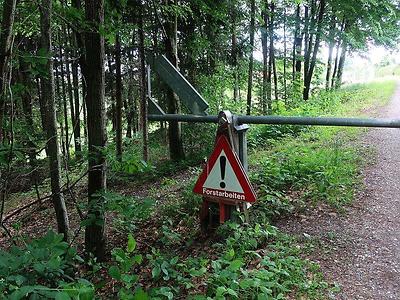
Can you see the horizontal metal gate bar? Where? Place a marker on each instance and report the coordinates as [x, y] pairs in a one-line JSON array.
[[319, 121]]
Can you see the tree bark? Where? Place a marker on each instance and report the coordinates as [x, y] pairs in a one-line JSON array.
[[70, 92], [251, 59], [266, 86], [95, 241], [307, 80], [118, 97], [5, 52], [284, 56], [338, 81], [174, 129], [234, 53], [338, 43], [143, 92], [297, 44], [77, 125], [47, 87], [64, 102], [272, 49], [331, 39]]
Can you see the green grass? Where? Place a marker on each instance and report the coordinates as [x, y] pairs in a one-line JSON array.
[[299, 167]]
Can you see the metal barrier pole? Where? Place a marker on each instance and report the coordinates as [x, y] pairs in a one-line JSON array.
[[281, 120]]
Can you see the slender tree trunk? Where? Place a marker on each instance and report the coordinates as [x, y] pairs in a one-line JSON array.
[[251, 62], [331, 38], [143, 98], [47, 86], [64, 102], [306, 40], [338, 81], [234, 54], [95, 241], [307, 81], [174, 129], [297, 44], [5, 52], [84, 105], [284, 56], [338, 43], [264, 43], [59, 104], [271, 59], [272, 49], [118, 97], [77, 105], [70, 92]]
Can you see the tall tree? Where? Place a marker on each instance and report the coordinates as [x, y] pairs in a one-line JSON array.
[[143, 96], [171, 49], [297, 44], [118, 97], [310, 71], [5, 52], [95, 241], [331, 43], [251, 59], [49, 113], [266, 80]]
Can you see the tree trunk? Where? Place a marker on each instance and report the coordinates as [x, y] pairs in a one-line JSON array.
[[272, 49], [47, 86], [307, 81], [331, 38], [110, 79], [5, 52], [251, 62], [95, 241], [298, 40], [143, 92], [118, 97], [79, 43], [234, 54], [266, 86], [338, 81], [338, 43], [306, 40], [284, 56], [70, 92], [77, 105], [64, 102], [174, 129]]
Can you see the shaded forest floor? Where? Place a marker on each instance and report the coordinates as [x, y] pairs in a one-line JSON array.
[[315, 226]]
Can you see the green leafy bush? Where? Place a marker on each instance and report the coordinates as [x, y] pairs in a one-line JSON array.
[[44, 268], [130, 210]]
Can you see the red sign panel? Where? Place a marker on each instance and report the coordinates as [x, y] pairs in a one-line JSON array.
[[224, 177]]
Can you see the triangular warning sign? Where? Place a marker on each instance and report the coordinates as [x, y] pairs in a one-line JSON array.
[[224, 177]]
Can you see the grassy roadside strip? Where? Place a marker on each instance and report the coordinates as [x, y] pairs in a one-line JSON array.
[[299, 166]]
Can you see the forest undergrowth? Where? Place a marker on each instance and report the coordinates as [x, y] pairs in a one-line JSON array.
[[156, 248]]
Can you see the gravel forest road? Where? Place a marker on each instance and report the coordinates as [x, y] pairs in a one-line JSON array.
[[361, 251]]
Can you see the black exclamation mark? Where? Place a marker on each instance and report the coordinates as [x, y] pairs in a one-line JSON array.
[[222, 164]]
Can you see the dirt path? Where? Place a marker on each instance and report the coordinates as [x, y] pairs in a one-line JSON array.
[[360, 250]]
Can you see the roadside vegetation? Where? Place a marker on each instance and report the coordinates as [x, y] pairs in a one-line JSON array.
[[157, 249], [96, 199]]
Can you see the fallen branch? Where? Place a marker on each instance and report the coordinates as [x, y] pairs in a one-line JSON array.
[[41, 200]]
